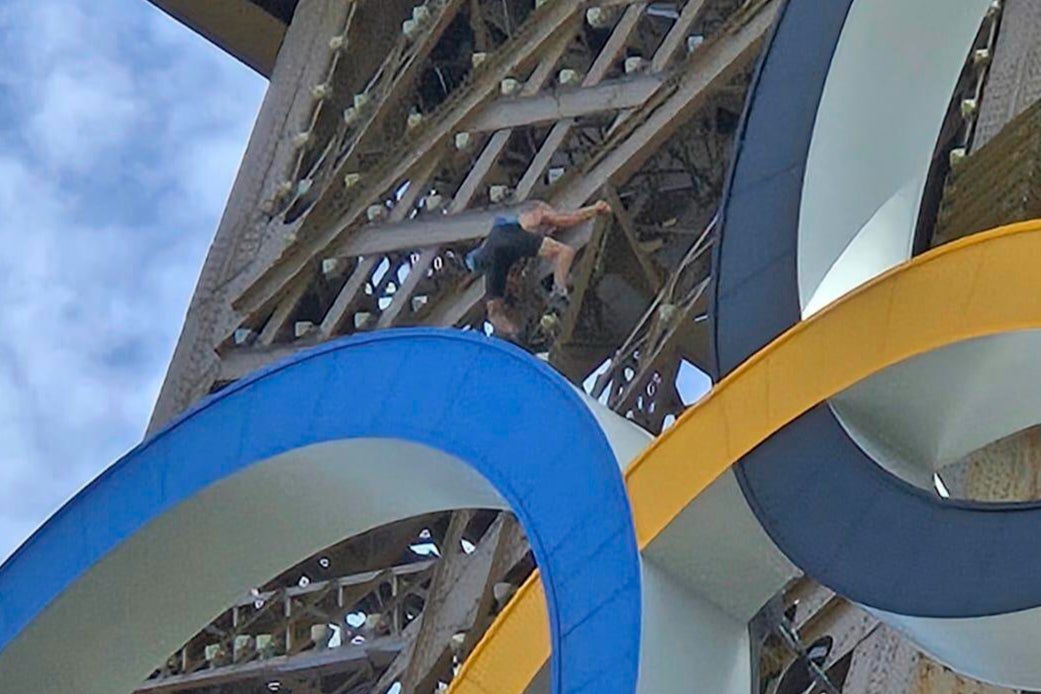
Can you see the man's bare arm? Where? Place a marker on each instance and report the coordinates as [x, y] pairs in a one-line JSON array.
[[546, 215]]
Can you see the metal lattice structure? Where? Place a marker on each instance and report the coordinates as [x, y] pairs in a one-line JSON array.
[[390, 137], [399, 135], [361, 219]]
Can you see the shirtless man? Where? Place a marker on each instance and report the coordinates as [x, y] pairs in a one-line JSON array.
[[515, 237]]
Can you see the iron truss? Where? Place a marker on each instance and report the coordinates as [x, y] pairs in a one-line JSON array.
[[389, 138], [391, 135]]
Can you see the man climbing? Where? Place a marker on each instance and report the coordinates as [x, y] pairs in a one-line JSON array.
[[515, 237]]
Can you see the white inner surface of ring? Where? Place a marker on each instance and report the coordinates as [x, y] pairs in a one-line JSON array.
[[932, 410], [145, 598], [884, 101]]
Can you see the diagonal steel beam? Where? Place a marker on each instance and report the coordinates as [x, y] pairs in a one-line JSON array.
[[668, 47], [302, 62], [432, 640], [472, 183], [616, 42], [608, 54], [559, 132], [399, 163], [456, 604], [629, 231], [677, 34], [705, 73], [351, 292], [279, 320], [497, 143], [403, 294], [398, 78], [708, 70]]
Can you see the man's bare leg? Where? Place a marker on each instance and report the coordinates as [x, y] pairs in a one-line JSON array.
[[562, 256]]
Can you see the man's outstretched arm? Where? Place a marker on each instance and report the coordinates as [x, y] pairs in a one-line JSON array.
[[545, 214]]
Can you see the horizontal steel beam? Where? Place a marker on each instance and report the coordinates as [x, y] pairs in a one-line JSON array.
[[709, 70], [399, 163], [329, 660], [421, 232], [566, 103], [712, 67], [718, 63], [346, 581]]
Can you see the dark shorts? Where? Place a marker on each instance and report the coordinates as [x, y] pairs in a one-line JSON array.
[[506, 244]]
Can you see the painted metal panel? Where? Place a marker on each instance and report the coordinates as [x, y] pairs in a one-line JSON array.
[[957, 568], [464, 397]]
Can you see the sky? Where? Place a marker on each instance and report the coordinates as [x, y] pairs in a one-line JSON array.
[[120, 135]]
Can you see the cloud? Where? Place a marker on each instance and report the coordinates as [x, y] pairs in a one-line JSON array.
[[120, 134]]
